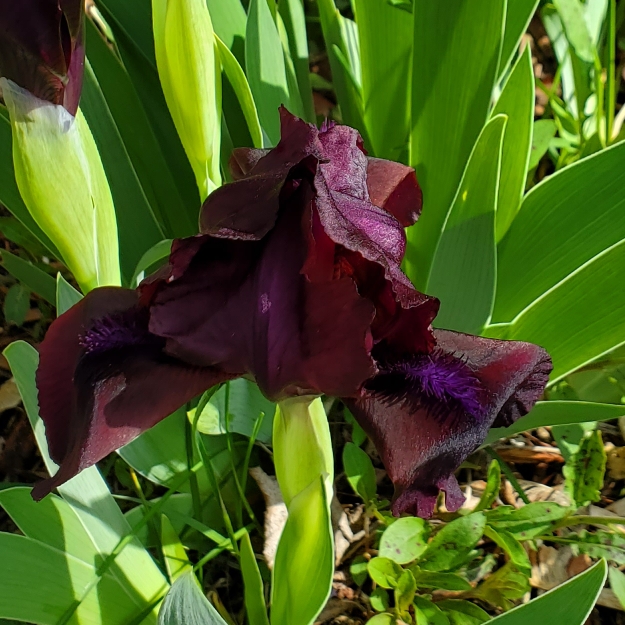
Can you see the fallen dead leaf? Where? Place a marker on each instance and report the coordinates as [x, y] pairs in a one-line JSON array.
[[9, 396]]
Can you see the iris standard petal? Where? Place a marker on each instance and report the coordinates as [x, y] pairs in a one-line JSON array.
[[103, 379], [427, 413]]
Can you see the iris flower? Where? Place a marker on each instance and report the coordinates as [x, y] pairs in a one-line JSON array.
[[42, 48], [294, 281]]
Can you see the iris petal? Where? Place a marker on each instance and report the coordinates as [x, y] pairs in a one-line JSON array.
[[93, 401], [423, 439]]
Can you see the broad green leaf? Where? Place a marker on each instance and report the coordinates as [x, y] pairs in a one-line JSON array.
[[599, 544], [572, 16], [135, 21], [384, 571], [526, 522], [385, 36], [255, 607], [463, 612], [31, 276], [404, 540], [517, 102], [518, 16], [42, 584], [292, 13], [9, 193], [617, 584], [543, 132], [555, 233], [358, 570], [450, 546], [546, 413], [429, 613], [457, 48], [175, 556], [66, 295], [50, 521], [440, 581], [360, 472], [245, 405], [382, 619], [584, 472], [379, 599], [464, 272], [493, 484], [189, 72], [61, 178], [264, 65], [90, 498], [513, 548], [236, 77], [580, 319], [569, 603], [15, 231], [344, 75], [302, 447], [168, 205], [138, 226], [185, 603], [16, 304], [503, 586], [304, 566]]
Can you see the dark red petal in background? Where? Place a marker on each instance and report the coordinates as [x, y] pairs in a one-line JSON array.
[[421, 448], [393, 187], [42, 48]]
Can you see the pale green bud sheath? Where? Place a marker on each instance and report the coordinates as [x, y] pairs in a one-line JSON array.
[[302, 447], [190, 73], [62, 182], [304, 564]]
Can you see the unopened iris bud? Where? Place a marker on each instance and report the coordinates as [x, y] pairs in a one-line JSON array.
[[62, 182], [188, 67]]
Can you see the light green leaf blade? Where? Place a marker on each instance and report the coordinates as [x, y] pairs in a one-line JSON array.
[[359, 471], [518, 16], [579, 320], [229, 21], [255, 607], [404, 540], [569, 603], [547, 413], [463, 272], [572, 16], [457, 48], [156, 255], [517, 102], [50, 521], [66, 295], [544, 130], [236, 77], [264, 64], [174, 553], [617, 584], [90, 498], [185, 604], [555, 232], [292, 13], [302, 575], [31, 276], [176, 218], [345, 76], [385, 53]]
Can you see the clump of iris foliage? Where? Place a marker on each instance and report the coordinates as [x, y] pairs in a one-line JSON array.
[[245, 268]]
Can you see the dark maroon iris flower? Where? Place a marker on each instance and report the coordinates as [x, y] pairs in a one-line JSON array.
[[42, 48], [296, 282]]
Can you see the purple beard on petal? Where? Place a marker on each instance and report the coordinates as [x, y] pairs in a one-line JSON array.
[[116, 331], [439, 382]]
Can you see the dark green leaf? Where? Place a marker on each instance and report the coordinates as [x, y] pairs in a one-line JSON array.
[[463, 612], [358, 570], [599, 544], [429, 613], [584, 472], [16, 304], [544, 130], [503, 586], [493, 484], [512, 547], [518, 16], [440, 581], [359, 471], [526, 522], [34, 278], [66, 295]]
